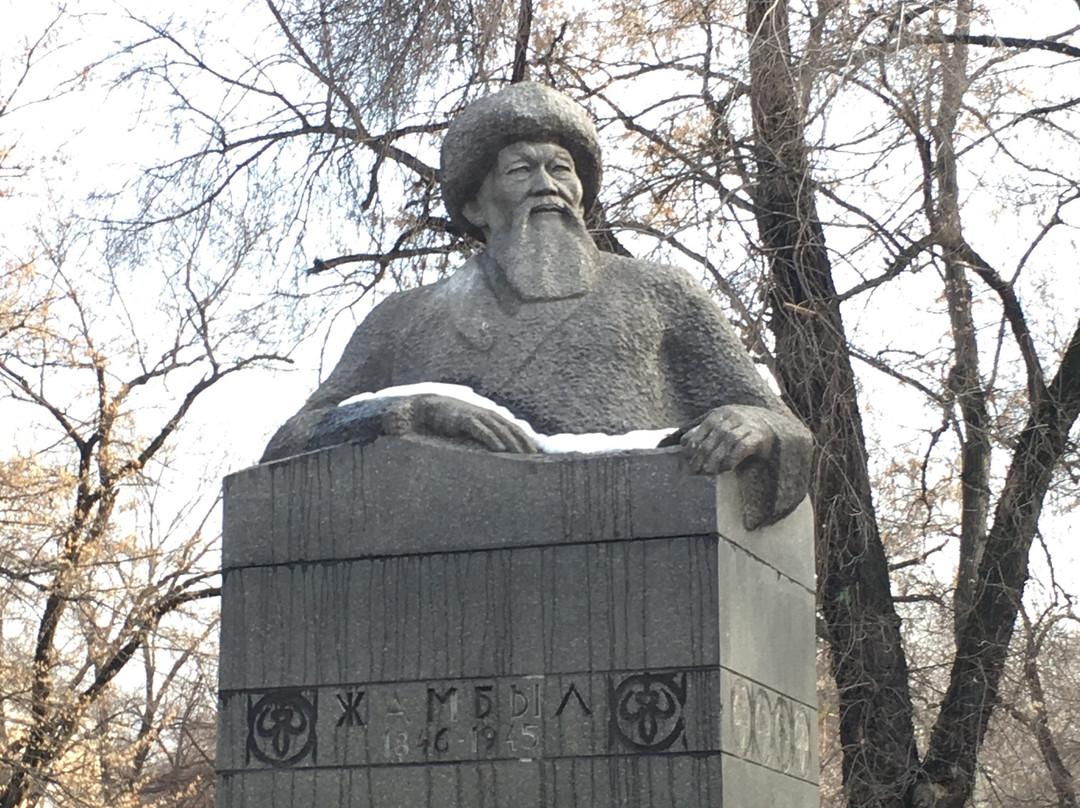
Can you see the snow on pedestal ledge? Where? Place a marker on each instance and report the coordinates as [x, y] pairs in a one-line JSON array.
[[590, 443]]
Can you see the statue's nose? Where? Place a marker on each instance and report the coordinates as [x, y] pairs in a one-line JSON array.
[[543, 183]]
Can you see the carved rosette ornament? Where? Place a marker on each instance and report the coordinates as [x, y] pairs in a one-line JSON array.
[[281, 728], [647, 711]]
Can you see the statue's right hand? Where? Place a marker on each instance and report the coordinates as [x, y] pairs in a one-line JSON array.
[[446, 417]]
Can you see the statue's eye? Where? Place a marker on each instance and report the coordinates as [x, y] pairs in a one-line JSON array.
[[562, 168], [517, 169]]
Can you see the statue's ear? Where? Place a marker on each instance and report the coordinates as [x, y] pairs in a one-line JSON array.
[[474, 212]]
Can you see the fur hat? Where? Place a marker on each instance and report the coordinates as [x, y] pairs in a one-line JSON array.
[[519, 112]]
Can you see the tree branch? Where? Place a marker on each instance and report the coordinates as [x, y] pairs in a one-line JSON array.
[[1020, 43], [378, 144], [1015, 315]]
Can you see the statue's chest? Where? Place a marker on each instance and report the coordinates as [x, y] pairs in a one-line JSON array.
[[570, 365]]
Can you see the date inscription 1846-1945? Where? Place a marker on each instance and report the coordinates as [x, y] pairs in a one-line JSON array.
[[446, 721]]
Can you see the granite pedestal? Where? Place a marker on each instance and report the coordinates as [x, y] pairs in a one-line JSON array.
[[415, 624]]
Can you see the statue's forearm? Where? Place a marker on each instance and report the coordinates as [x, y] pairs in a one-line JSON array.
[[364, 421], [294, 435]]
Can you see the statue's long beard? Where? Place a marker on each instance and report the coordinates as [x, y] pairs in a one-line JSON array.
[[546, 255]]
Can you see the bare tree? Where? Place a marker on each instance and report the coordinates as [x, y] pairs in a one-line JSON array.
[[95, 579], [882, 765]]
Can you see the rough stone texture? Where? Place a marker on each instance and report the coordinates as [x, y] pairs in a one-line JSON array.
[[647, 350], [401, 626]]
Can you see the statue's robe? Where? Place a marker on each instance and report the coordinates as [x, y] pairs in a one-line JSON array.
[[645, 348]]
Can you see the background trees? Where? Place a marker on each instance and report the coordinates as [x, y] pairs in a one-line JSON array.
[[108, 562], [883, 196], [108, 650]]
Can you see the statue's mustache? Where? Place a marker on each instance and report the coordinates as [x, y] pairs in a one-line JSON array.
[[547, 203]]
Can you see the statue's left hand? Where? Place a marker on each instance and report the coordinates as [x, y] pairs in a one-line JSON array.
[[727, 437], [445, 417]]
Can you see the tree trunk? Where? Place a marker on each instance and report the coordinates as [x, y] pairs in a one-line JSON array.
[[987, 628], [880, 760]]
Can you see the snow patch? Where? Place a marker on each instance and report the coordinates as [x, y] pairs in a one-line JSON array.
[[590, 443]]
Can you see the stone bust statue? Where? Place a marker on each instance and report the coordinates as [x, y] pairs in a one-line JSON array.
[[567, 337]]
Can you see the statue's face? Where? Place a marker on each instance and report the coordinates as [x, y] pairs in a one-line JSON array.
[[537, 177]]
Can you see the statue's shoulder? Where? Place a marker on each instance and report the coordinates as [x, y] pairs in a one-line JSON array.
[[421, 303], [667, 284]]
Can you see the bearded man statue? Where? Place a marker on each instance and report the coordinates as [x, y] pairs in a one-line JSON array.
[[567, 337]]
